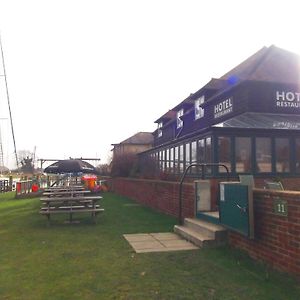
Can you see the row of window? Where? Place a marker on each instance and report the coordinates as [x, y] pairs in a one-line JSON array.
[[259, 155], [175, 159], [239, 154], [199, 113]]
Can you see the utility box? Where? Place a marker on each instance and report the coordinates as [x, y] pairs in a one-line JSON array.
[[236, 207], [203, 196]]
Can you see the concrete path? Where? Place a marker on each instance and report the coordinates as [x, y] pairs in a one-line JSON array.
[[158, 242]]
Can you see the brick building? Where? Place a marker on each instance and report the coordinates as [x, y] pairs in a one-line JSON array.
[[137, 143]]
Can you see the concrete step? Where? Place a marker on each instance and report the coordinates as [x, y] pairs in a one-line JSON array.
[[216, 232], [197, 238]]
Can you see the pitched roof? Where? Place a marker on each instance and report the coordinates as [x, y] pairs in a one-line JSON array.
[[268, 64], [271, 64], [167, 116], [140, 138], [215, 84], [245, 68]]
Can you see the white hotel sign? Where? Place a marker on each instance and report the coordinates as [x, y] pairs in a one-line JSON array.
[[288, 99], [223, 108]]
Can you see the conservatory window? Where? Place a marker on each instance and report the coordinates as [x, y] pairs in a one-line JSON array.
[[243, 154], [263, 155], [224, 152], [282, 150]]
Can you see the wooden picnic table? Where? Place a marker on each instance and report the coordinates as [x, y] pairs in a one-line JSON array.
[[70, 204]]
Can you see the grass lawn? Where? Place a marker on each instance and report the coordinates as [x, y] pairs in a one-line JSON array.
[[87, 261]]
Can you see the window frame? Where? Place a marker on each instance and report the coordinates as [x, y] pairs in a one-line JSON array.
[[271, 151], [289, 159], [179, 121], [199, 111], [235, 152], [159, 129], [229, 164]]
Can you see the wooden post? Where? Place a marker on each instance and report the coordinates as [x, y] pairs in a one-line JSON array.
[[10, 183]]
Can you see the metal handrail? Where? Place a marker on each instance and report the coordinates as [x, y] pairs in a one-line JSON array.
[[203, 169]]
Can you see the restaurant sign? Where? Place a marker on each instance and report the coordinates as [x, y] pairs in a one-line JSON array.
[[223, 108], [287, 99], [286, 125]]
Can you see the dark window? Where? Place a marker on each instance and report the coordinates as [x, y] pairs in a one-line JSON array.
[[157, 159], [263, 155], [181, 158], [194, 157], [160, 159], [208, 150], [167, 159], [243, 155], [172, 159], [282, 150], [163, 160], [297, 142], [201, 147], [208, 154], [194, 152], [176, 159], [224, 153], [187, 154]]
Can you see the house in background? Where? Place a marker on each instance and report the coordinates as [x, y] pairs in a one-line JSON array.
[[137, 143]]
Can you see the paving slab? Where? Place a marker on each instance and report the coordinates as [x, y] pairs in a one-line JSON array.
[[158, 242], [165, 236], [159, 250], [146, 245], [138, 237], [177, 243]]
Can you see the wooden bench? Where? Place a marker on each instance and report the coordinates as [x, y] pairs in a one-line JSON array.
[[71, 210], [74, 207], [75, 199], [70, 205]]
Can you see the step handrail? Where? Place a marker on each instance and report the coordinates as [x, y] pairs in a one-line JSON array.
[[203, 169]]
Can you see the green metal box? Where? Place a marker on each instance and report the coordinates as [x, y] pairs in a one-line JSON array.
[[236, 207]]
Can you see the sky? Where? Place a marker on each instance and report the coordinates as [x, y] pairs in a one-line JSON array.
[[85, 74]]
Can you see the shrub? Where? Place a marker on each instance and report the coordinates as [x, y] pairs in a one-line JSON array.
[[122, 164]]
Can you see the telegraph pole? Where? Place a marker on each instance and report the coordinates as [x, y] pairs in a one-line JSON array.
[[8, 102]]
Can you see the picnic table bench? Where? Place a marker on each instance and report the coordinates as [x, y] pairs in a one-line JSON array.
[[61, 202]]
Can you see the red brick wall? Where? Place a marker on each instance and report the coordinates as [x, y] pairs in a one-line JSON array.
[[160, 195], [277, 238]]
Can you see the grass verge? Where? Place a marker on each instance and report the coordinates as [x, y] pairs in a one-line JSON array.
[[87, 261]]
